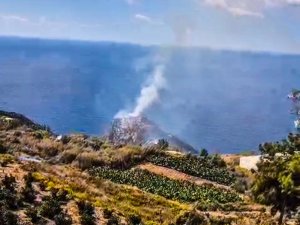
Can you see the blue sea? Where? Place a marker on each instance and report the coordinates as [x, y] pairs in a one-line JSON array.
[[224, 101]]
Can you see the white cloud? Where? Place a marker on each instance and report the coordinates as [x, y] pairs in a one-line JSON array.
[[147, 19], [143, 18], [252, 8], [14, 18]]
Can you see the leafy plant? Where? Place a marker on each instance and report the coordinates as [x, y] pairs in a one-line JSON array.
[[172, 189], [277, 180], [210, 168], [87, 212], [62, 219]]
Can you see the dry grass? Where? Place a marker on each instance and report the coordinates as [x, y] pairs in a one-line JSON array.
[[125, 200]]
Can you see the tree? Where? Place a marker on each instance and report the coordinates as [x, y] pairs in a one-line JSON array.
[[277, 180], [203, 153], [162, 144]]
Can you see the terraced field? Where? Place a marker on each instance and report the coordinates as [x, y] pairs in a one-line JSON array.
[[172, 189], [206, 168]]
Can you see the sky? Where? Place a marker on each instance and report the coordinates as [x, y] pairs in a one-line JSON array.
[[254, 25]]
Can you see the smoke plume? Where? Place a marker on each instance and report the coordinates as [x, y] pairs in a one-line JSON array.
[[149, 93]]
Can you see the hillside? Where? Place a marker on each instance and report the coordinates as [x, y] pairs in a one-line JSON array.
[[77, 179]]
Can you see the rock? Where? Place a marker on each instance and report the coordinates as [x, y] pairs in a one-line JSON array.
[[142, 131]]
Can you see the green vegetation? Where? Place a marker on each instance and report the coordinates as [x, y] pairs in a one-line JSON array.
[[278, 179], [210, 168], [171, 189], [87, 213]]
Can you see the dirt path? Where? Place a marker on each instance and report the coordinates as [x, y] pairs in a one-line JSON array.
[[176, 175]]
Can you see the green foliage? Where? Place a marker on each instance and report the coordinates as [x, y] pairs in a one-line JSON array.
[[135, 220], [113, 221], [32, 213], [210, 168], [162, 144], [62, 219], [41, 134], [50, 208], [87, 213], [7, 217], [168, 188], [278, 178], [28, 193], [3, 149], [203, 153], [8, 194], [107, 213]]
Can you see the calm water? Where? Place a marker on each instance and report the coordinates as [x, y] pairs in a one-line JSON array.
[[223, 101]]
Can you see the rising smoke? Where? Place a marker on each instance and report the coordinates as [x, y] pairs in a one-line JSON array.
[[149, 93]]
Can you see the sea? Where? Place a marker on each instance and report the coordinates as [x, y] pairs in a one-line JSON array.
[[221, 100]]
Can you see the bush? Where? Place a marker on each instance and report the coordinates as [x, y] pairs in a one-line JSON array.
[[88, 160], [65, 139], [162, 144], [49, 148], [32, 213], [28, 193], [62, 219], [191, 218], [240, 185], [3, 149], [9, 182], [50, 208], [96, 143], [113, 221], [87, 212], [41, 134], [135, 220], [107, 213], [68, 156], [203, 153], [7, 217]]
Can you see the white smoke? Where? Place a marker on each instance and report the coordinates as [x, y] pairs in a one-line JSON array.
[[149, 94]]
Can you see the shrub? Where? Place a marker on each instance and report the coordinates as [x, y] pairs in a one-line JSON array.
[[88, 160], [68, 156], [50, 208], [162, 144], [49, 148], [203, 153], [41, 134], [107, 213], [65, 139], [135, 220], [6, 159], [113, 221], [240, 185], [96, 143], [87, 212], [62, 219], [28, 193], [3, 149], [7, 217], [9, 182], [32, 213], [191, 218]]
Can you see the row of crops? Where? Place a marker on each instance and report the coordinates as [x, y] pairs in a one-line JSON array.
[[163, 186], [206, 168]]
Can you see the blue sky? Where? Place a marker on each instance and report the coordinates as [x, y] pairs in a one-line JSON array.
[[256, 25]]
